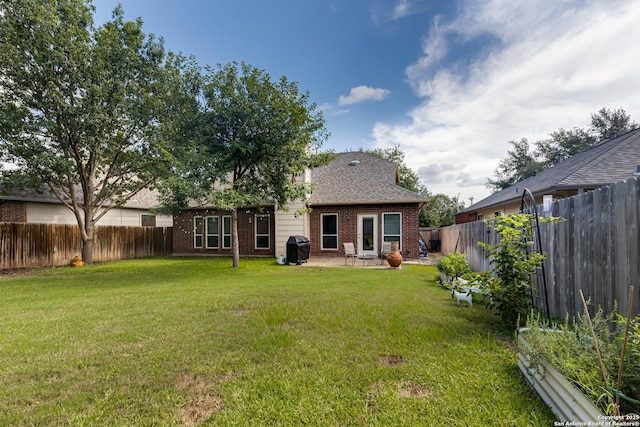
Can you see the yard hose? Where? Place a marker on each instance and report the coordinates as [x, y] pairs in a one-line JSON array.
[[622, 395]]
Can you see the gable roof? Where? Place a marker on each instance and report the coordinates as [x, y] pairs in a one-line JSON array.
[[606, 163], [359, 178]]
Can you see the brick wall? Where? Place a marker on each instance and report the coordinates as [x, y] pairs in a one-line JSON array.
[[12, 211], [183, 239], [348, 226]]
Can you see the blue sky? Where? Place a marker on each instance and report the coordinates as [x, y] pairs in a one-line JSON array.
[[449, 82]]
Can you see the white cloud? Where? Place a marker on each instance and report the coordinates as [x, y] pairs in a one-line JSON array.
[[363, 93], [549, 64], [401, 9]]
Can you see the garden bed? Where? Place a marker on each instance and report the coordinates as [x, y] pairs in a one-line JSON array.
[[564, 399]]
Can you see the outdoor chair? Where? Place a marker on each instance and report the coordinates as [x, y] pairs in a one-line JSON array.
[[350, 252], [386, 249]]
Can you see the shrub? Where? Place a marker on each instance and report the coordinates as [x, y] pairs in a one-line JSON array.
[[454, 265], [513, 264]]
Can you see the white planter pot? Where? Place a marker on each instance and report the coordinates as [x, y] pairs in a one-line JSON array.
[[564, 399]]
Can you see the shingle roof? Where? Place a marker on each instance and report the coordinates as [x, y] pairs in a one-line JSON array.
[[145, 199], [606, 163], [359, 178]]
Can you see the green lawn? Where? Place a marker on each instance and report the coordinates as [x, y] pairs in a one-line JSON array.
[[193, 341]]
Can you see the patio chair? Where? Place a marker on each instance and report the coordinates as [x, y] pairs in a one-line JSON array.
[[386, 249], [350, 252]]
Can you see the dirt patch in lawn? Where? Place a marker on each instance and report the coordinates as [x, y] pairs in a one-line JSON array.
[[204, 399], [391, 359], [411, 390]]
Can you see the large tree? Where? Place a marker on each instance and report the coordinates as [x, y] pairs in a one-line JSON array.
[[518, 165], [607, 123], [562, 144], [81, 108], [440, 211], [255, 137]]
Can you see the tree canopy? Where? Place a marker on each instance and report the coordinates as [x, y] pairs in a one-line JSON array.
[[522, 162], [407, 177], [82, 109], [254, 139], [441, 209]]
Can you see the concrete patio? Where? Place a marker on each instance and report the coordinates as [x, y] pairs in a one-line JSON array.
[[367, 263]]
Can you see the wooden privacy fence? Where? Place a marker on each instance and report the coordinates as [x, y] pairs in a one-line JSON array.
[[596, 249], [42, 245]]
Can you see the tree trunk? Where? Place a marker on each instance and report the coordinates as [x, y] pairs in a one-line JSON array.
[[87, 241], [234, 236], [87, 250]]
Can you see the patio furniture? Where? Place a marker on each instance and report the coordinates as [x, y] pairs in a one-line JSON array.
[[350, 252], [386, 249]]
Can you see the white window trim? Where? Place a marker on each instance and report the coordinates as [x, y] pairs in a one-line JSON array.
[[383, 230], [230, 232], [207, 234], [255, 232], [195, 231], [323, 234]]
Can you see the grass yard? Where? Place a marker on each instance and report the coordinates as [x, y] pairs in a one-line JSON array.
[[192, 341]]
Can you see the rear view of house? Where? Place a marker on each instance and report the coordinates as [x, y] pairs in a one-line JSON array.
[[357, 199]]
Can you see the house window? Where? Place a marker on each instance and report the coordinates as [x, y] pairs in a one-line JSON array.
[[197, 232], [329, 231], [148, 220], [479, 217], [213, 232], [226, 232], [262, 231], [392, 228]]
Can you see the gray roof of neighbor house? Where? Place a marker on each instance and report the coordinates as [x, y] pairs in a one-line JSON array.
[[359, 178], [608, 162], [144, 199]]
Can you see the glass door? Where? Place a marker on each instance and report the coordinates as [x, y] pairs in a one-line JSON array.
[[367, 233]]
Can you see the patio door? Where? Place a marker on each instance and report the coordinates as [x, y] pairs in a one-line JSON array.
[[367, 234]]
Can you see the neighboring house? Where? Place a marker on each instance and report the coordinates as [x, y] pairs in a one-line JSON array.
[[613, 160], [356, 199], [30, 206]]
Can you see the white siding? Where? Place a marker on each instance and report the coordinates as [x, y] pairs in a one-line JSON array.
[[51, 213], [287, 224]]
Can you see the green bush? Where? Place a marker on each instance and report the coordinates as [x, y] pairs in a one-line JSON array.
[[454, 265], [514, 264]]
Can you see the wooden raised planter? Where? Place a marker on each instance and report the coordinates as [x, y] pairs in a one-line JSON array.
[[566, 401]]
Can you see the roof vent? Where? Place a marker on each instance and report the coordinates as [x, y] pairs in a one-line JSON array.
[[354, 162]]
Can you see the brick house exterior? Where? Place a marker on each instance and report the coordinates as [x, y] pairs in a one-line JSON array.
[[356, 199], [348, 226], [13, 211], [185, 239]]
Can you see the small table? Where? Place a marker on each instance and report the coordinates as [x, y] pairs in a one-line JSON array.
[[368, 259]]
